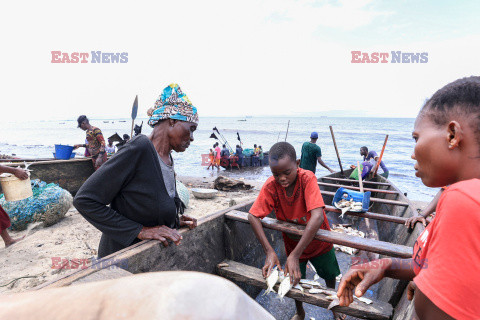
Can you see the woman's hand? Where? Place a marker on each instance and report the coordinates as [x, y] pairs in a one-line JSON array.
[[162, 233], [21, 174], [292, 268], [360, 277], [186, 221], [413, 220], [270, 261], [75, 147]]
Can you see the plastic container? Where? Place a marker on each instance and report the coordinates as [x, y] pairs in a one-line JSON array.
[[63, 152], [364, 197], [71, 157], [14, 188]]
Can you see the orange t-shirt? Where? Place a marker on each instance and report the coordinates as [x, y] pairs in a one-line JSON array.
[[296, 209], [446, 255]]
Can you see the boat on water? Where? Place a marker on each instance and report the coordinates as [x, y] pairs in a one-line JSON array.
[[224, 244], [248, 162]]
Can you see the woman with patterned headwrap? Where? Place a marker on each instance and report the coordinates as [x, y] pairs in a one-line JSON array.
[[139, 181]]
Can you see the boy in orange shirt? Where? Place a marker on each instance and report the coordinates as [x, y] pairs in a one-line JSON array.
[[446, 256], [295, 196]]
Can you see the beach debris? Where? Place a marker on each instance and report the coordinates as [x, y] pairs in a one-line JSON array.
[[271, 280], [348, 205], [284, 287], [226, 184]]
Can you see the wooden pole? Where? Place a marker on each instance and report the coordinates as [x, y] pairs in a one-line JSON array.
[[380, 158], [131, 132], [288, 126], [360, 180], [336, 149]]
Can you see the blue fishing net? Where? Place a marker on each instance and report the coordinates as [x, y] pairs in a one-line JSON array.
[[248, 152], [49, 204]]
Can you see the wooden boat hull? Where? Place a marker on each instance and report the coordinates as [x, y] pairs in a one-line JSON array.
[[68, 174], [221, 236]]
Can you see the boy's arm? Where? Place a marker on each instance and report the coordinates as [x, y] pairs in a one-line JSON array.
[[293, 264], [323, 164], [271, 259]]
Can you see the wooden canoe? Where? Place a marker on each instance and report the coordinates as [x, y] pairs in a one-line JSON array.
[[68, 174], [224, 244]]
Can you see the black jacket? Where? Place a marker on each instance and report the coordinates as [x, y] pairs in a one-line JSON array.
[[132, 183]]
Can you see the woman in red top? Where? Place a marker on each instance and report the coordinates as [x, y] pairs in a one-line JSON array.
[[446, 257]]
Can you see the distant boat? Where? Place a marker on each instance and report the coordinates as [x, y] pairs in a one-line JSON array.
[[122, 121], [105, 121], [242, 120]]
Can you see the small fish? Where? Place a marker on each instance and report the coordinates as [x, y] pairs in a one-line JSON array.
[[271, 280], [315, 290], [284, 287], [306, 286], [299, 287], [313, 283], [335, 302], [364, 300]]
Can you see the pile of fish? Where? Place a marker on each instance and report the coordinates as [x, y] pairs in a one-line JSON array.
[[313, 286], [348, 205], [350, 231]]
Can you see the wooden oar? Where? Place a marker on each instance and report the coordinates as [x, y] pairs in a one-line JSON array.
[[288, 126], [134, 113], [336, 149], [360, 182], [380, 158]]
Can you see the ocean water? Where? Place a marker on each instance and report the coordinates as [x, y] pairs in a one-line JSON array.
[[37, 139]]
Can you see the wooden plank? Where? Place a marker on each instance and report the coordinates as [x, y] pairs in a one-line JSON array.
[[333, 185], [370, 215], [378, 200], [253, 276], [351, 180], [381, 247]]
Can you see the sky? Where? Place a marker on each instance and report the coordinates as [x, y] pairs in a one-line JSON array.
[[233, 58]]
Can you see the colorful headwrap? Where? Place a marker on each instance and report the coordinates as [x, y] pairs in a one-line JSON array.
[[172, 104]]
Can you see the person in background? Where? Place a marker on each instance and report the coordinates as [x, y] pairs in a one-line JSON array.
[[225, 153], [211, 158], [445, 260], [311, 154], [110, 148], [239, 154], [133, 197], [255, 156], [21, 174], [369, 161], [260, 155], [217, 155], [96, 142]]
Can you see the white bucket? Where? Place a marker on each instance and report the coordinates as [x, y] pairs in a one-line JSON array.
[[14, 188]]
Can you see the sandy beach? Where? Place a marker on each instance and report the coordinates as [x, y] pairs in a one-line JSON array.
[[28, 263]]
